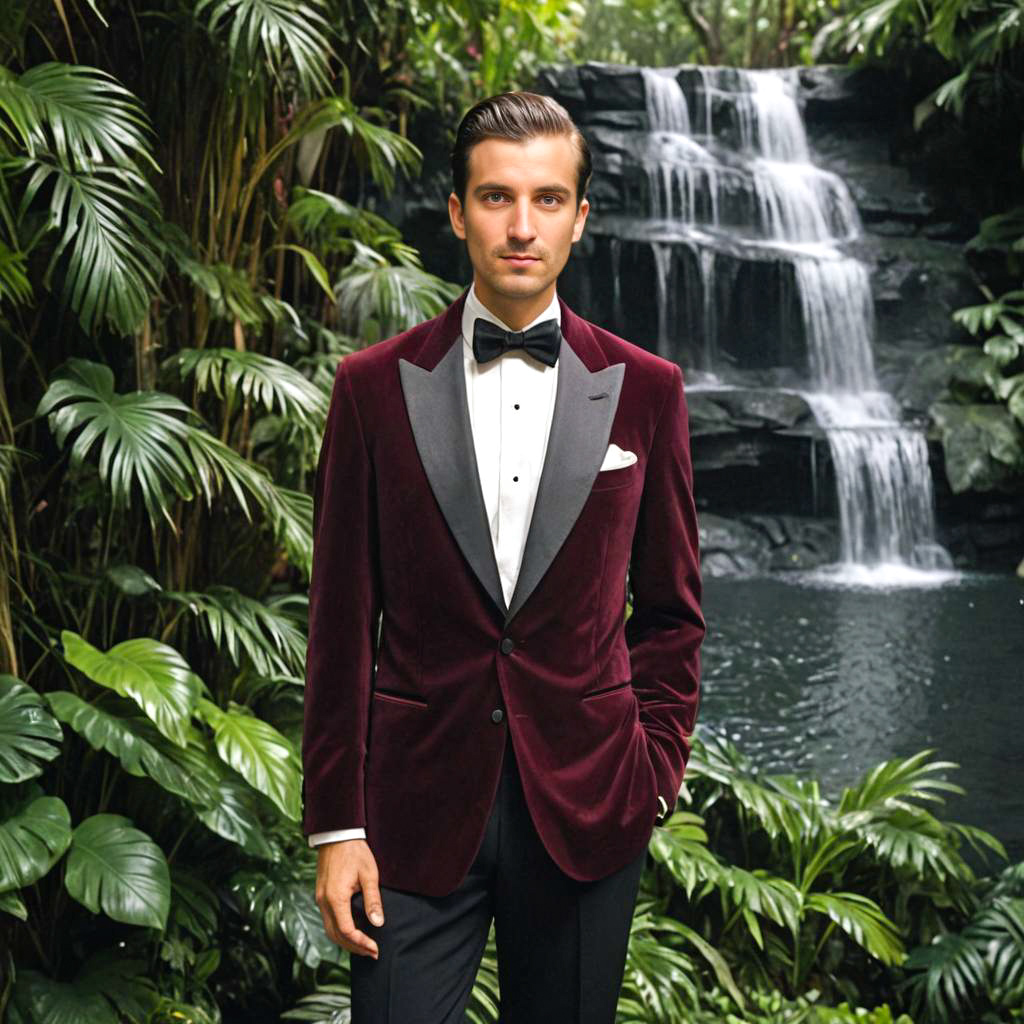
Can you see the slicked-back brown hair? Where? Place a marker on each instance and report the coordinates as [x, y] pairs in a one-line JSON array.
[[516, 116]]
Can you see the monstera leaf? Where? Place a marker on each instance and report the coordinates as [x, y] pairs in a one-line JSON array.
[[151, 673], [11, 903], [265, 758], [108, 979], [28, 734], [234, 816], [133, 740], [39, 1000], [286, 905], [32, 839], [114, 868]]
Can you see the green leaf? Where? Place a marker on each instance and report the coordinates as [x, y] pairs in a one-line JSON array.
[[313, 265], [32, 839], [122, 980], [269, 383], [107, 219], [234, 816], [946, 974], [265, 758], [108, 979], [275, 34], [11, 903], [713, 957], [133, 740], [863, 920], [37, 999], [269, 633], [194, 905], [151, 673], [1002, 349], [81, 114], [28, 733], [287, 906], [141, 435], [118, 870], [132, 580]]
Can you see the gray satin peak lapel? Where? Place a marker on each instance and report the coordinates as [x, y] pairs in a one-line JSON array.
[[585, 405], [439, 414]]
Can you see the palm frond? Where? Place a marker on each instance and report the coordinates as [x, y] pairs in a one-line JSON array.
[[660, 982], [945, 977], [378, 299], [270, 383], [898, 782], [917, 843], [15, 286], [377, 149], [238, 624], [141, 435], [107, 219], [81, 115], [862, 920], [218, 466], [275, 34]]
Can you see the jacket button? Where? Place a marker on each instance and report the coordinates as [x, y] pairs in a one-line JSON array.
[[507, 645], [497, 715]]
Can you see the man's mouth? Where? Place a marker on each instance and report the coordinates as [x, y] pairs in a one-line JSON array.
[[520, 259]]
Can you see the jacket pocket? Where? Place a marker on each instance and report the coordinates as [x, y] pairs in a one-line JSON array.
[[399, 698], [607, 690]]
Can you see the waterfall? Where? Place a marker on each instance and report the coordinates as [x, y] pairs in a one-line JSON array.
[[736, 167]]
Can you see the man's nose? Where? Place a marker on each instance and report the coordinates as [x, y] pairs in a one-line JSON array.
[[522, 221]]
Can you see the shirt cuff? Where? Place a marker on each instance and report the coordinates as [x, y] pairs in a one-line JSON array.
[[662, 813], [336, 835]]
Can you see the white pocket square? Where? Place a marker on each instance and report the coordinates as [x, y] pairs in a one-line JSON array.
[[616, 458]]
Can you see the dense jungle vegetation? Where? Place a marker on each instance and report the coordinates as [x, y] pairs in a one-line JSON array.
[[185, 254]]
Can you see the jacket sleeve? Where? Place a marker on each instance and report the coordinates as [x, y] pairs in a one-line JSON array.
[[344, 603], [666, 627]]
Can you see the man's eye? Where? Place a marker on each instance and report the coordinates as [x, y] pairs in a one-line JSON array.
[[555, 198], [490, 194]]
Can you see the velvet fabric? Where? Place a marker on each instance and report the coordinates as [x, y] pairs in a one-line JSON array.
[[398, 732]]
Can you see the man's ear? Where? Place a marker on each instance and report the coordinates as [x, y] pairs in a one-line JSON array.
[[581, 219], [456, 216]]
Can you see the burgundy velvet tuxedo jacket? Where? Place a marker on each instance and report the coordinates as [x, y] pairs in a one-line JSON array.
[[404, 727]]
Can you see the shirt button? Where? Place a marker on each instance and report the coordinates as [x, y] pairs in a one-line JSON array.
[[497, 715], [508, 645]]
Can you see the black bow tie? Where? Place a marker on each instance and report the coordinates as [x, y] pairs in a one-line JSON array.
[[541, 341]]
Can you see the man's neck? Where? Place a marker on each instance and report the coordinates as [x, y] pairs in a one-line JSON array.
[[517, 313]]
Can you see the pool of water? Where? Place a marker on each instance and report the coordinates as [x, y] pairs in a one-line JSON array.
[[828, 679]]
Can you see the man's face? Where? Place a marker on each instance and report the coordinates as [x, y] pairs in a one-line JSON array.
[[520, 202]]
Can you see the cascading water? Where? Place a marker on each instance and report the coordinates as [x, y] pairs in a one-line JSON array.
[[735, 163]]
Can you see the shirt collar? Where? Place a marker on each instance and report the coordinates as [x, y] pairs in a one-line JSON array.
[[474, 308]]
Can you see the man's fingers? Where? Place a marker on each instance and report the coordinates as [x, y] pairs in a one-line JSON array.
[[352, 938]]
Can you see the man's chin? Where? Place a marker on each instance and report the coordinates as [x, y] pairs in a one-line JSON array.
[[517, 283]]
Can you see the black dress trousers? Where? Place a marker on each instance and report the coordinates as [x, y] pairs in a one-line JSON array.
[[561, 943]]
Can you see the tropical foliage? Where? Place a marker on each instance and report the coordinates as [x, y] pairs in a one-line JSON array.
[[978, 46], [741, 33], [179, 276]]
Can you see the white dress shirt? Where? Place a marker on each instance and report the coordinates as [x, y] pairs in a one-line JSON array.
[[511, 401]]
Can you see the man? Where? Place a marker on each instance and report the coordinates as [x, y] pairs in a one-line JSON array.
[[504, 744]]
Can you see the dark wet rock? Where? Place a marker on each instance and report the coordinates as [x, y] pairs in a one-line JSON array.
[[728, 547], [835, 94], [755, 543], [613, 86], [763, 408]]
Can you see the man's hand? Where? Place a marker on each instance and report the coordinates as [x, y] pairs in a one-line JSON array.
[[344, 868]]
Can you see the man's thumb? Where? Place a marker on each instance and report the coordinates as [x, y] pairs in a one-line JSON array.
[[372, 903]]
